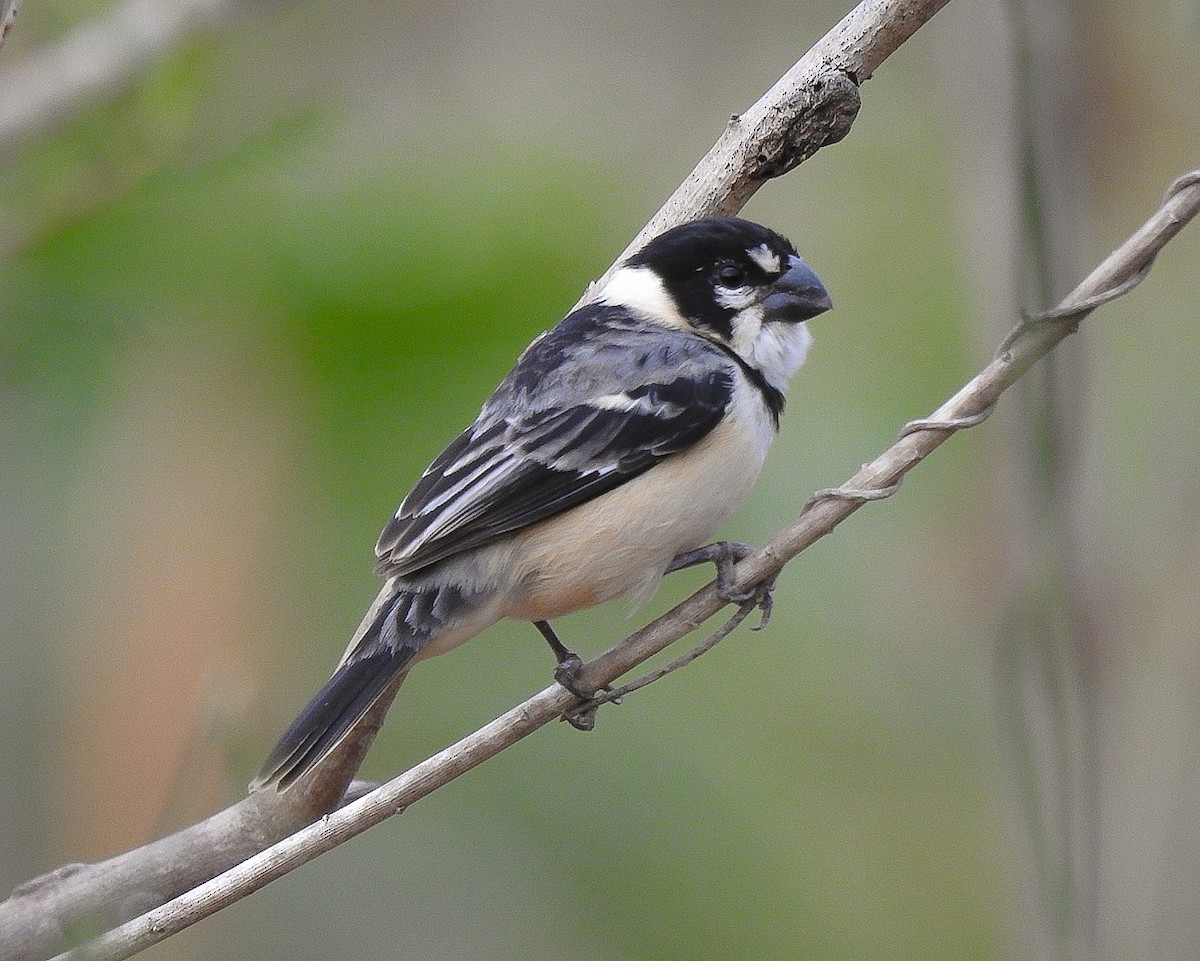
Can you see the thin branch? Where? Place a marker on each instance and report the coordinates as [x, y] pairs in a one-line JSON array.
[[8, 16], [583, 715], [96, 60], [1032, 340]]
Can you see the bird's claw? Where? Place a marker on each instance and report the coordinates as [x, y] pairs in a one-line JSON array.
[[566, 672], [582, 716], [762, 597], [724, 555]]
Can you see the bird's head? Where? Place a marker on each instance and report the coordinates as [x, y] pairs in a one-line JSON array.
[[732, 282]]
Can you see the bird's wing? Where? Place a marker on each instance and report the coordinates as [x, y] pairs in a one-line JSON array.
[[592, 404]]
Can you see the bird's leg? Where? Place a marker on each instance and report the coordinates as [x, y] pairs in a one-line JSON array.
[[567, 662], [724, 555], [566, 672]]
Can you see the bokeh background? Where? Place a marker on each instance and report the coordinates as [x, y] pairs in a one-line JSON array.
[[252, 286]]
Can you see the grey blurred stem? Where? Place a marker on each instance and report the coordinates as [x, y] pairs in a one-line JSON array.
[[1045, 651]]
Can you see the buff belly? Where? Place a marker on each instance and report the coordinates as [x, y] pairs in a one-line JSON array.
[[620, 544]]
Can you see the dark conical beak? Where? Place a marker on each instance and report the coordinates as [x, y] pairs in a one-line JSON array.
[[798, 294]]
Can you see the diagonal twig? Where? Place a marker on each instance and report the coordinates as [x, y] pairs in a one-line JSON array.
[[8, 17], [98, 58]]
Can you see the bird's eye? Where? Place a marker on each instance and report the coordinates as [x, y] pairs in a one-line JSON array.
[[730, 275]]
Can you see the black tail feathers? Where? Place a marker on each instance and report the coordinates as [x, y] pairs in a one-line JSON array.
[[404, 622], [324, 721]]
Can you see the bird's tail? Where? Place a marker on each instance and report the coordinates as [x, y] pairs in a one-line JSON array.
[[390, 637], [327, 718]]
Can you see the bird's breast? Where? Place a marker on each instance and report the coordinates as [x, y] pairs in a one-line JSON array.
[[620, 543]]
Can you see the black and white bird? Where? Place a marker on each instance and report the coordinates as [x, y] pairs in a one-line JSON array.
[[618, 445]]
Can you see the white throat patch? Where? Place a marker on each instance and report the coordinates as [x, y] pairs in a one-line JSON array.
[[778, 349]]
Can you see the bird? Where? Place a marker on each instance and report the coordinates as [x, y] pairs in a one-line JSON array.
[[620, 442]]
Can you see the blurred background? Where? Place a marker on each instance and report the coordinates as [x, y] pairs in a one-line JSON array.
[[258, 268]]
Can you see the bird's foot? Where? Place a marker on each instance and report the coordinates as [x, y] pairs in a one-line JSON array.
[[567, 668], [724, 555]]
